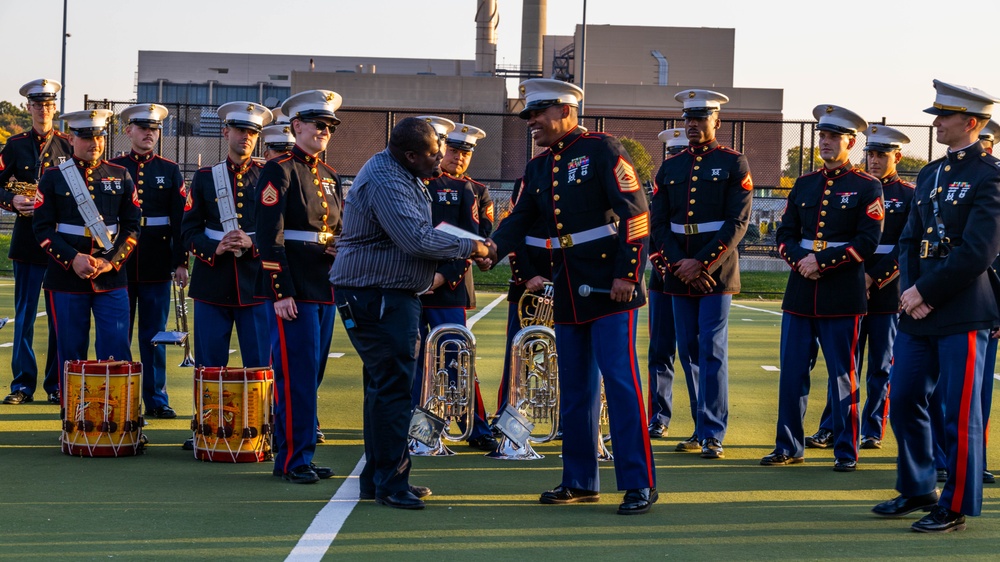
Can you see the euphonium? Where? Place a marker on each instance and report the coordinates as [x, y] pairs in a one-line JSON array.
[[448, 389], [536, 310]]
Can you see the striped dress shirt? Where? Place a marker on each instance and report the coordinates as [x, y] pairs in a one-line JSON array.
[[388, 240]]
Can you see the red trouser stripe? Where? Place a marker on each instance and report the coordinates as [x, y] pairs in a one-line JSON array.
[[647, 448], [961, 463], [853, 375], [289, 434]]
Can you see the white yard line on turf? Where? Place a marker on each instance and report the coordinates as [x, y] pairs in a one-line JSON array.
[[778, 313], [327, 523]]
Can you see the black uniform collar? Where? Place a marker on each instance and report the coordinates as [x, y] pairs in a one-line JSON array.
[[699, 149], [891, 178], [85, 164], [142, 157], [41, 138], [301, 155], [965, 154], [239, 168], [566, 140], [839, 171]]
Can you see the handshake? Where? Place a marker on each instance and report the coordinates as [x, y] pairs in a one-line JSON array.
[[485, 254]]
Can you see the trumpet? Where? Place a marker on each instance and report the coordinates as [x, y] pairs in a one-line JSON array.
[[536, 310], [534, 389], [448, 389], [180, 334], [24, 188]]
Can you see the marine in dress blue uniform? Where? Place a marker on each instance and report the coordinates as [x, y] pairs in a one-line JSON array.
[[662, 335], [25, 157], [298, 219], [83, 276], [878, 328], [831, 225], [223, 283], [452, 201], [584, 189], [161, 190], [278, 139], [700, 210], [949, 307]]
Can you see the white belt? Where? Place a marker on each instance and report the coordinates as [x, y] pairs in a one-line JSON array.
[[819, 245], [218, 234], [308, 236], [154, 221], [696, 228], [570, 240], [884, 248], [81, 230]]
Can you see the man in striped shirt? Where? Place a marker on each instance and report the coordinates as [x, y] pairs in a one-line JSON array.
[[387, 255]]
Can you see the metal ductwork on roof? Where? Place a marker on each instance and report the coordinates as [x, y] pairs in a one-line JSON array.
[[487, 19], [664, 67]]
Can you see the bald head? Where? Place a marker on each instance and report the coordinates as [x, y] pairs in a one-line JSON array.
[[415, 145]]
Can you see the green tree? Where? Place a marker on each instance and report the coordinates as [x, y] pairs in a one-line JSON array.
[[910, 164], [640, 158], [793, 156], [13, 120]]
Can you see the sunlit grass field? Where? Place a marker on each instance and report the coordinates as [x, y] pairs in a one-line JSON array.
[[166, 505]]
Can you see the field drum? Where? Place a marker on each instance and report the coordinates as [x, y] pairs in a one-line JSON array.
[[100, 414], [232, 414]]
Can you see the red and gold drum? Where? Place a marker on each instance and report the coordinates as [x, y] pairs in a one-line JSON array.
[[100, 414], [232, 414]]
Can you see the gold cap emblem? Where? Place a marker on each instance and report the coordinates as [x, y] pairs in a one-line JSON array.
[[152, 108], [93, 114], [330, 96], [250, 107], [523, 90], [874, 129], [285, 130], [677, 134], [829, 109], [45, 83], [465, 129], [691, 94]]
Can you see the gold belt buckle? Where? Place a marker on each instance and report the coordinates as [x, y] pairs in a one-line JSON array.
[[86, 231], [324, 237], [690, 229], [925, 248], [819, 245], [142, 221], [566, 241]]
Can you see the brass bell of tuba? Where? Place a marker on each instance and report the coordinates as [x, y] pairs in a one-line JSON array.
[[448, 389]]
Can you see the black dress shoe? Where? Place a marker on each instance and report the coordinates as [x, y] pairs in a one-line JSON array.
[[323, 472], [419, 491], [712, 449], [54, 398], [189, 446], [565, 494], [820, 439], [18, 397], [657, 430], [689, 445], [845, 465], [301, 475], [940, 520], [638, 501], [871, 443], [988, 477], [163, 412], [484, 443], [779, 459], [902, 505], [401, 500], [942, 475]]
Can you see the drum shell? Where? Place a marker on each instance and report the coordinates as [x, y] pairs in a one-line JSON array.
[[239, 402], [101, 408]]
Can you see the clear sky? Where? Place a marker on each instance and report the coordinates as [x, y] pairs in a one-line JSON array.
[[876, 58]]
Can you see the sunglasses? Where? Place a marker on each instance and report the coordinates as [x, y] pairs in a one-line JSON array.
[[321, 125]]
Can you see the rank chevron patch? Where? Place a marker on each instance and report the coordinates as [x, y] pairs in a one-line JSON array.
[[625, 175]]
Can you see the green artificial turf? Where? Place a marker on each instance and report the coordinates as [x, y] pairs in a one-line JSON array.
[[166, 505]]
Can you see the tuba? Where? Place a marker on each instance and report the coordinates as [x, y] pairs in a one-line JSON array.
[[534, 389], [180, 334], [536, 310], [22, 188], [448, 389]]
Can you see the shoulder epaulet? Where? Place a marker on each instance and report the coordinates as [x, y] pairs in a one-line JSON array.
[[470, 180], [812, 173], [594, 135], [167, 160], [905, 183], [329, 167], [864, 174], [254, 162], [728, 150], [52, 169], [204, 170], [18, 136], [936, 161], [282, 158], [62, 134], [541, 154], [113, 165]]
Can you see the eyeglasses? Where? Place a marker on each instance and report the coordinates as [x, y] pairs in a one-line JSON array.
[[321, 125], [43, 105]]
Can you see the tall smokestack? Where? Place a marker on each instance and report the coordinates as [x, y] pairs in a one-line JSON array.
[[533, 23], [487, 19]]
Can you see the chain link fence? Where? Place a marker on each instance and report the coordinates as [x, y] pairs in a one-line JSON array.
[[778, 151]]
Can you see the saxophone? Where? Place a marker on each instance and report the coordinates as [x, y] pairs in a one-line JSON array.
[[22, 188]]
